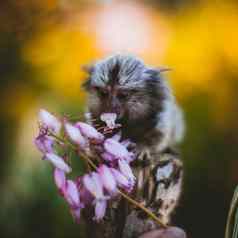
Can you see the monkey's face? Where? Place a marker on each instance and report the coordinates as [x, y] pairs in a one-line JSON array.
[[125, 86], [129, 104]]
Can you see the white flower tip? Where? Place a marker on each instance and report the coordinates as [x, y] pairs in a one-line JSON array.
[[72, 194], [89, 131], [58, 162], [49, 120], [109, 119], [75, 134], [107, 179], [60, 179]]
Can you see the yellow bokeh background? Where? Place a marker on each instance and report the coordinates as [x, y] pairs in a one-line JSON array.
[[43, 48]]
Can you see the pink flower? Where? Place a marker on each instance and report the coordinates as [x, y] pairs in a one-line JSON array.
[[44, 143], [116, 149], [122, 180], [71, 194], [58, 162], [100, 210], [117, 136], [49, 121], [94, 185], [60, 180], [75, 135], [128, 143], [107, 157], [107, 178], [90, 132], [109, 119], [126, 170], [76, 213], [85, 196]]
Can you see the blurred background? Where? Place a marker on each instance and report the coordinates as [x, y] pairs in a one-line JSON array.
[[43, 45]]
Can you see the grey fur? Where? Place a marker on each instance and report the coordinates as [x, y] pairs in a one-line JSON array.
[[151, 117]]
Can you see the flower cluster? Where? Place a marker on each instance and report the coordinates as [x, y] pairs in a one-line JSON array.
[[107, 158]]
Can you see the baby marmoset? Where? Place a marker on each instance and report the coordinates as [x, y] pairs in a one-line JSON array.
[[146, 108]]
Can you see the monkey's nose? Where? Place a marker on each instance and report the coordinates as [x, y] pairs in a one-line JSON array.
[[117, 110]]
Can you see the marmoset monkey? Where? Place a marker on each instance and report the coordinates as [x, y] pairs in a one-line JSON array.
[[150, 117]]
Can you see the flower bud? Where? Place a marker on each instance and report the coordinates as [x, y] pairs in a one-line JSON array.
[[122, 181], [75, 135], [100, 209], [44, 143], [107, 179], [76, 213], [58, 162], [60, 180], [72, 194], [108, 157], [49, 121], [116, 149], [126, 170], [89, 131], [94, 185]]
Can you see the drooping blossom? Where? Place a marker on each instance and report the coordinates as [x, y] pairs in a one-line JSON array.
[[44, 143], [89, 131], [72, 196], [108, 157], [116, 149], [93, 184], [100, 210], [60, 180], [107, 178], [75, 135], [58, 162], [122, 180], [117, 136], [95, 188], [49, 121], [85, 196], [126, 170]]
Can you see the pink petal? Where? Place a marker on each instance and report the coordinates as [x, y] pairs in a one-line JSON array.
[[94, 185], [100, 209], [98, 184], [116, 149], [60, 180], [85, 196], [58, 162], [126, 170], [72, 194], [122, 180], [108, 157], [50, 121], [89, 131], [117, 136], [76, 213], [75, 135], [44, 143], [126, 143], [107, 179]]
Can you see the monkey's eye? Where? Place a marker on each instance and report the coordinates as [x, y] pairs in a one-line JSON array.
[[123, 95], [101, 92]]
